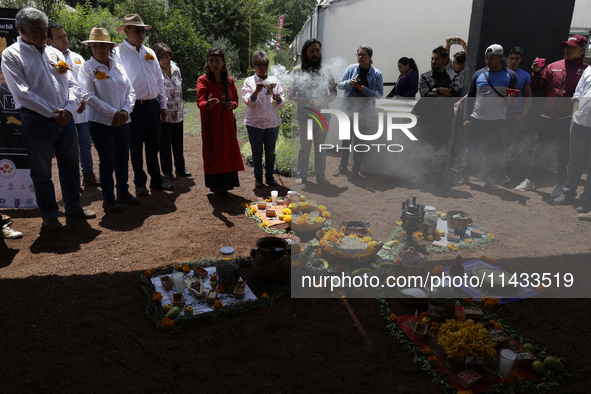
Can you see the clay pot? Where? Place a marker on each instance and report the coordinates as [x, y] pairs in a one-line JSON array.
[[271, 260]]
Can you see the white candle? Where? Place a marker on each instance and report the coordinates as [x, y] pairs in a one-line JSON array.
[[274, 195], [506, 360], [179, 281]]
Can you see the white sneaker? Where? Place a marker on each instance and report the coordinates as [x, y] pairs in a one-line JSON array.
[[557, 192], [525, 186], [7, 232], [298, 181]]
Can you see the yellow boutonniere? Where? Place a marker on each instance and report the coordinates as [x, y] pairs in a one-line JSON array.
[[149, 57], [100, 75], [61, 67], [77, 61]]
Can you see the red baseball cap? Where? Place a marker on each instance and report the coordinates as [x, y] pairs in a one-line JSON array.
[[576, 40]]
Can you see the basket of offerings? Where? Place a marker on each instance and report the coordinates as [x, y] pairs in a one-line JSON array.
[[411, 258], [348, 250], [195, 286], [307, 218]]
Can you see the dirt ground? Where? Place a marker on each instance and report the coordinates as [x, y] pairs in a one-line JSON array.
[[73, 312]]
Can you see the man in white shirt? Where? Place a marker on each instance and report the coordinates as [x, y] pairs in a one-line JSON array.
[[43, 89], [145, 74], [57, 38]]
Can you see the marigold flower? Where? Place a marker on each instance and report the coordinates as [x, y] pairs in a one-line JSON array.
[[167, 323], [213, 278], [459, 316], [253, 210], [287, 218], [469, 240], [396, 242], [437, 270], [149, 272], [221, 288], [512, 378], [318, 220], [295, 263], [433, 360], [217, 304], [265, 295], [264, 225], [186, 269], [492, 261], [302, 198], [149, 57], [244, 205], [157, 296], [491, 321], [452, 247], [268, 200], [326, 215], [398, 223], [434, 326], [424, 314], [427, 351], [468, 301], [371, 244], [419, 236], [178, 267], [321, 208], [286, 211], [305, 205], [318, 253], [499, 326], [491, 236], [465, 392], [62, 67], [489, 304], [392, 317]]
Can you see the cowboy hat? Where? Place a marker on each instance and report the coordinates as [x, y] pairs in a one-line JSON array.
[[132, 20], [100, 35]]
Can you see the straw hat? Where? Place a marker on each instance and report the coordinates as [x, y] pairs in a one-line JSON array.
[[100, 35], [132, 20]]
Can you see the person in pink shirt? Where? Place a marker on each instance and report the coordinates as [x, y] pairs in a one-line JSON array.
[[263, 97]]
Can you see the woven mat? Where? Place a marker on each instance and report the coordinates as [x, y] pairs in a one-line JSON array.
[[269, 221], [451, 368]]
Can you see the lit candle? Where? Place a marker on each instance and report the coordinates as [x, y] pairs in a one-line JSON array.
[[506, 360], [179, 281]]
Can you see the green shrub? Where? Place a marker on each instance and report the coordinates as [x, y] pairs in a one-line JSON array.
[[287, 116]]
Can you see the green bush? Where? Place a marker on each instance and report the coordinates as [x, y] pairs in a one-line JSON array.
[[287, 116]]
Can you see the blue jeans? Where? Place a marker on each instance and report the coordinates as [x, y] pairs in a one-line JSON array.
[[580, 158], [171, 134], [42, 137], [84, 147], [145, 130], [319, 137], [263, 140], [112, 145]]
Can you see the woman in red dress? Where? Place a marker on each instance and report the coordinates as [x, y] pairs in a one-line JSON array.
[[217, 97]]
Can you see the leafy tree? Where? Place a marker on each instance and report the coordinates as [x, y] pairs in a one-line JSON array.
[[296, 13], [50, 7]]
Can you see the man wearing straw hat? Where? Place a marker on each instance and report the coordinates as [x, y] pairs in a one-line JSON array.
[[143, 69], [43, 89]]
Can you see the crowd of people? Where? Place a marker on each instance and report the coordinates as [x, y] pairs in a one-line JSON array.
[[127, 100]]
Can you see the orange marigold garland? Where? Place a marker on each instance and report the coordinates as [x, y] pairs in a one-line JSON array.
[[392, 317], [148, 273], [186, 269], [167, 323], [427, 351], [433, 360], [217, 304], [157, 296]]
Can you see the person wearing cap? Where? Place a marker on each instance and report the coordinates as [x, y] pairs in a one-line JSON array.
[[143, 69], [110, 98], [57, 38], [556, 80], [43, 89], [484, 116]]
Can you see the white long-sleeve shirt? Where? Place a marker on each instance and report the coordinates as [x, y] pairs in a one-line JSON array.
[[75, 62], [104, 97], [145, 74], [34, 83], [583, 94]]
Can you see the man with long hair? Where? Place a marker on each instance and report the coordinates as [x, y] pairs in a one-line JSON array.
[[313, 88]]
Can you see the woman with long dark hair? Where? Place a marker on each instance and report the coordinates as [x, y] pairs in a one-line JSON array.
[[408, 81], [217, 97]]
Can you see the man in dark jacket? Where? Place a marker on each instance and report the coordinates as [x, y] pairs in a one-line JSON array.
[[557, 80], [435, 111]]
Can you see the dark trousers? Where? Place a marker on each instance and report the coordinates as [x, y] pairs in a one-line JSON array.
[[171, 135], [550, 132], [263, 140], [484, 146], [112, 146], [145, 130]]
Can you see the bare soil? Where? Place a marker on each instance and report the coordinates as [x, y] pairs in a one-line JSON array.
[[73, 312]]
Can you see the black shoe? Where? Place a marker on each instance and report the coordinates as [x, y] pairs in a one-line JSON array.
[[353, 176], [141, 191], [272, 182], [584, 206], [128, 199], [112, 206], [258, 182], [162, 186], [490, 183], [183, 173], [561, 200], [340, 171], [169, 176], [463, 180]]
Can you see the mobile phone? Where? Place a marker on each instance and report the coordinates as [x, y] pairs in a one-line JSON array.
[[454, 40], [541, 62], [516, 92]]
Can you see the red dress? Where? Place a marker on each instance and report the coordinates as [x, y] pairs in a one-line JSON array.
[[221, 153]]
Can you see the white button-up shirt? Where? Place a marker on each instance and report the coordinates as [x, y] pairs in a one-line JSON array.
[[34, 83], [583, 94], [104, 97], [263, 113], [145, 74], [75, 62]]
